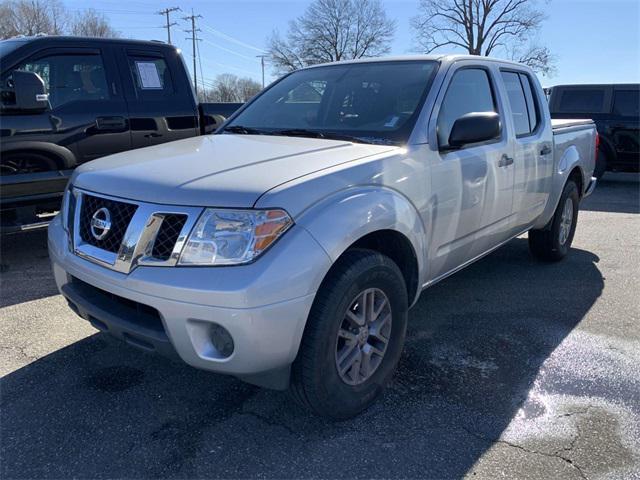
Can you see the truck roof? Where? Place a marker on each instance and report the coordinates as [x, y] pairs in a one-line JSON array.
[[600, 85], [88, 40], [449, 58]]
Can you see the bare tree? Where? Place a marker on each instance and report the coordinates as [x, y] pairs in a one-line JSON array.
[[333, 30], [483, 27], [230, 88], [31, 17], [90, 23], [248, 88], [49, 17]]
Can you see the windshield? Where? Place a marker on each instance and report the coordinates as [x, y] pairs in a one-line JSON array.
[[8, 46], [368, 102]]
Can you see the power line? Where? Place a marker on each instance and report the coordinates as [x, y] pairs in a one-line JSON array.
[[224, 65], [170, 24], [204, 89], [231, 39], [227, 49], [194, 31]]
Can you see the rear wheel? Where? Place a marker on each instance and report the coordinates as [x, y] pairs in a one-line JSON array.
[[354, 336], [554, 242]]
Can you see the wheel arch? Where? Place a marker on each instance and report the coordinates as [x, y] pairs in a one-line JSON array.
[[63, 157], [376, 218]]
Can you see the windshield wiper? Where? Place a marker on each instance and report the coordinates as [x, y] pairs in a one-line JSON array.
[[242, 130], [303, 132]]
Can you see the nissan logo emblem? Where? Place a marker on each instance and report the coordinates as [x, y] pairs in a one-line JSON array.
[[100, 223]]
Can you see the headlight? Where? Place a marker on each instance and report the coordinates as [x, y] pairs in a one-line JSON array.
[[232, 237]]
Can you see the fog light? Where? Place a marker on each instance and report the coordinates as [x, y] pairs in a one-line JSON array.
[[221, 340]]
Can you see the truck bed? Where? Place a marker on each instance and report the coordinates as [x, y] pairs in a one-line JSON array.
[[562, 123]]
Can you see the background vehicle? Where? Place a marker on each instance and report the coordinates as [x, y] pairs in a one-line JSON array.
[[616, 111], [67, 100], [336, 196]]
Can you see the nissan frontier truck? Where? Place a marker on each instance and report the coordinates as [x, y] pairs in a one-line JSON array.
[[287, 248]]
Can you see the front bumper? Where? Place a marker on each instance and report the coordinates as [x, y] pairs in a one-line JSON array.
[[263, 305]]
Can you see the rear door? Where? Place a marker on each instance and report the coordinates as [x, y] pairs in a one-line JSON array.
[[162, 106], [472, 186], [532, 146]]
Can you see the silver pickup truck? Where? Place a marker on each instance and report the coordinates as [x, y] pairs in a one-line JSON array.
[[287, 248]]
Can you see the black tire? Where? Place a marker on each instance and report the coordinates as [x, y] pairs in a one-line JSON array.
[[601, 165], [315, 381], [546, 244], [15, 163]]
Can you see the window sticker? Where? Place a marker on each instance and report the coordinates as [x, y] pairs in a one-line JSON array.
[[148, 75]]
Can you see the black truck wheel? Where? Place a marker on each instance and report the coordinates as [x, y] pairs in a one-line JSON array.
[[601, 165], [13, 163], [353, 338]]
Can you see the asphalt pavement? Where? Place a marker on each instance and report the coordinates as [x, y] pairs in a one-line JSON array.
[[512, 369]]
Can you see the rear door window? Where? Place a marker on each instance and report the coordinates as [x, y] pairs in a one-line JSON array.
[[522, 99], [532, 103], [151, 77], [582, 101], [626, 103], [469, 91], [518, 103]]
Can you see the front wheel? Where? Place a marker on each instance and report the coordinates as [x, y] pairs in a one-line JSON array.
[[553, 243], [353, 338]]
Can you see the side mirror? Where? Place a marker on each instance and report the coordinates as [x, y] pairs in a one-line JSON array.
[[474, 127], [29, 91]]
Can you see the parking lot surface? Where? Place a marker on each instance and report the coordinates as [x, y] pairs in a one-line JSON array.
[[512, 368]]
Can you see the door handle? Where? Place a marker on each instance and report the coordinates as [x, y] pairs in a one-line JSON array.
[[111, 123], [546, 150], [505, 161], [153, 135]]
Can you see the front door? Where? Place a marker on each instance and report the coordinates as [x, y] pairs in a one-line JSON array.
[[87, 112], [472, 186]]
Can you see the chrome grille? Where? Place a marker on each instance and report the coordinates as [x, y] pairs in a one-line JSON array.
[[167, 237], [141, 233], [121, 215]]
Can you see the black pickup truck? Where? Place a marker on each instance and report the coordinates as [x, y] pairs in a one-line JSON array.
[[616, 111], [68, 100]]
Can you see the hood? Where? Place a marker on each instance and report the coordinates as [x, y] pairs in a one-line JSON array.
[[215, 170]]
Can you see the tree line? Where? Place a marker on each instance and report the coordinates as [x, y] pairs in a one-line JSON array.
[[50, 17], [334, 30], [229, 88]]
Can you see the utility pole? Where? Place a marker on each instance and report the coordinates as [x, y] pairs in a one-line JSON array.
[[166, 12], [194, 31], [262, 57]]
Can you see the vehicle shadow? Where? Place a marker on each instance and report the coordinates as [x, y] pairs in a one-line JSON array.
[[475, 346], [616, 192], [25, 272]]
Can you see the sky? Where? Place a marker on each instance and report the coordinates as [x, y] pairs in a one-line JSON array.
[[593, 41]]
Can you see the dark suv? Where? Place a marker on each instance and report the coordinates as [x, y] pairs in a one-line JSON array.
[[616, 111]]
